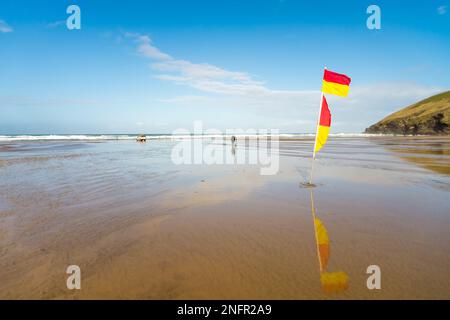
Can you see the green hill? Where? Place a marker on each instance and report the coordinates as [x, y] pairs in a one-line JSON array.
[[429, 116]]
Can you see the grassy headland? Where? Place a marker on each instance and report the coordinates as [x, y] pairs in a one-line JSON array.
[[429, 116]]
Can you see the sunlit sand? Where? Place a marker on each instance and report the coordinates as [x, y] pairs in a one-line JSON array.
[[141, 227]]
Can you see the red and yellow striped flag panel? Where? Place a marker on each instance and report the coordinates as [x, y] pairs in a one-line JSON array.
[[324, 125], [335, 83]]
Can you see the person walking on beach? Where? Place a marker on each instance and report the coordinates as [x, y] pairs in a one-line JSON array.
[[233, 145]]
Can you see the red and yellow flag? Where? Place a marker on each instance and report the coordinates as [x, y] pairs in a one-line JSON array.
[[335, 83], [324, 125], [332, 282]]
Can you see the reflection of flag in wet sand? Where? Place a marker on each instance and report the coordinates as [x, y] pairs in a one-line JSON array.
[[331, 281], [323, 243]]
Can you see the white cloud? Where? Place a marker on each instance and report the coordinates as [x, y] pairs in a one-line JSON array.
[[203, 70], [391, 92], [202, 76], [146, 48], [4, 27], [367, 104], [442, 10], [288, 110]]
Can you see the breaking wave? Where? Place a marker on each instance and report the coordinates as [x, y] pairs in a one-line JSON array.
[[88, 137]]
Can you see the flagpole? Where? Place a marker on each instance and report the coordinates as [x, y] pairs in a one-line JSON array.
[[315, 139]]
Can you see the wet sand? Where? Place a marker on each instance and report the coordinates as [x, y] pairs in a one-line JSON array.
[[142, 227]]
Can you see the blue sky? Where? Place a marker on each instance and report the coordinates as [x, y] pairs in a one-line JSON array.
[[156, 66]]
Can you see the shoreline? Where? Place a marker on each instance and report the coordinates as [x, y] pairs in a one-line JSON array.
[[109, 137]]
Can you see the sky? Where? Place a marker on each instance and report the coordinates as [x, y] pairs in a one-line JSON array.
[[158, 66]]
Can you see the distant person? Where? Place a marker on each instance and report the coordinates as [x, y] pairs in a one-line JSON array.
[[233, 146]]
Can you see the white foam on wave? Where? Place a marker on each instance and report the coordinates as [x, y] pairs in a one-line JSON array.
[[56, 137], [62, 137]]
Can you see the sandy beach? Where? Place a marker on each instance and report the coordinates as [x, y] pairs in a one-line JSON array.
[[141, 227]]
